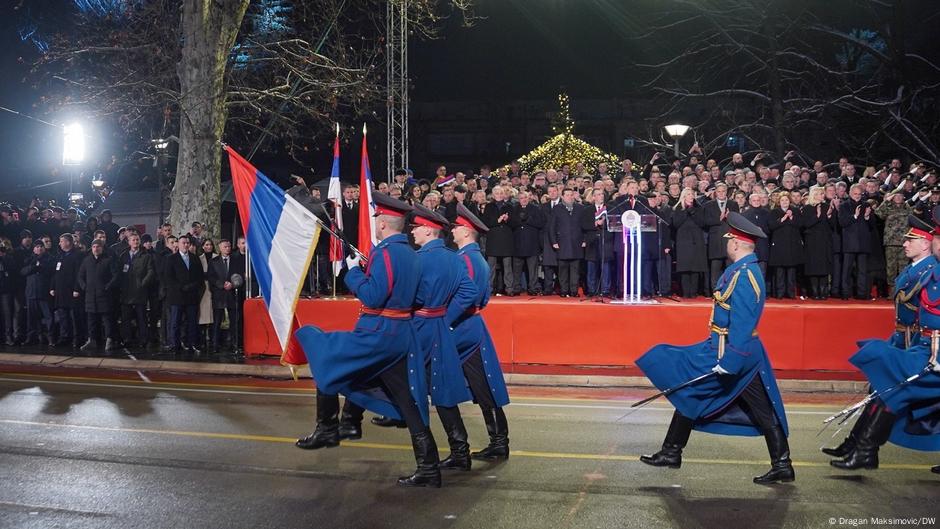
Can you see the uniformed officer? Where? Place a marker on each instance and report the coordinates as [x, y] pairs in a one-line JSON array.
[[445, 292], [474, 345], [378, 365], [907, 413], [917, 247], [742, 397]]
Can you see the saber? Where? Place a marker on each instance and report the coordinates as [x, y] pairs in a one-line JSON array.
[[672, 390], [875, 394]]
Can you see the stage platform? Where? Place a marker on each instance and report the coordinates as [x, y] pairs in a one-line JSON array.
[[802, 337]]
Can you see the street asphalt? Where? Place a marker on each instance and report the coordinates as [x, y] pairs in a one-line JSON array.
[[81, 452]]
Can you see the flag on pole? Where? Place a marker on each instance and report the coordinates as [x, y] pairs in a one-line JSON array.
[[366, 205], [335, 193], [281, 235]]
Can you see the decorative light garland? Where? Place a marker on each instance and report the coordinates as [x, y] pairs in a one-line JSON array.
[[564, 147]]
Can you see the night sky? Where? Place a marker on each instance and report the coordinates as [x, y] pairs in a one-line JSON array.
[[518, 49], [527, 49]]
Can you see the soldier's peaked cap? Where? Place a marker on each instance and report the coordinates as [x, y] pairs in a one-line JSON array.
[[423, 216], [466, 218], [919, 229], [743, 229], [386, 205]]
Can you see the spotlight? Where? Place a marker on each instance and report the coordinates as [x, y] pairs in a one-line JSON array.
[[73, 151], [75, 198]]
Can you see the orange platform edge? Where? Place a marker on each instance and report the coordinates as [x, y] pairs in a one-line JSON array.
[[801, 336]]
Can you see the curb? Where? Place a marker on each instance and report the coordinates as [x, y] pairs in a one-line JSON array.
[[279, 372]]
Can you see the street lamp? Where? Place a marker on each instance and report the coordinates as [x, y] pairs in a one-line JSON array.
[[676, 131]]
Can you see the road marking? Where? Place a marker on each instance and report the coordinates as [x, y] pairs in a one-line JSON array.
[[408, 448], [164, 386]]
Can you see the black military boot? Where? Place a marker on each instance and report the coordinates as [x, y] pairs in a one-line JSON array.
[[936, 469], [874, 434], [498, 428], [350, 423], [428, 473], [848, 445], [676, 438], [781, 468], [387, 422], [459, 458], [326, 434]]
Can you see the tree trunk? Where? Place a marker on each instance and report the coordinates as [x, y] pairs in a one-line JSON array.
[[778, 115], [208, 29]]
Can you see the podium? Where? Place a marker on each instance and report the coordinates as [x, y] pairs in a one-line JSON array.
[[631, 225]]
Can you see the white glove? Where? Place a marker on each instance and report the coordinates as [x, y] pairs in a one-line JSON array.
[[934, 367], [718, 369], [353, 261]]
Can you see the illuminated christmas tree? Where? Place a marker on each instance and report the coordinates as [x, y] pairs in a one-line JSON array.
[[564, 147]]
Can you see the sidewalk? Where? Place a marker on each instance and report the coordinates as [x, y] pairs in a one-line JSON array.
[[280, 372]]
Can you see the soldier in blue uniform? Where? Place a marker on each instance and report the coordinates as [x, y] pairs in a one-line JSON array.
[[378, 365], [742, 397], [474, 345], [917, 248], [445, 292], [907, 414]]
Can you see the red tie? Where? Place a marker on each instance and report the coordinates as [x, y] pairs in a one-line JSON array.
[[632, 202]]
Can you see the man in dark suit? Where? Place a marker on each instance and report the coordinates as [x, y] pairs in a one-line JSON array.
[[97, 279], [184, 281], [350, 211], [221, 270], [566, 234], [63, 290], [526, 236], [500, 218], [856, 219], [549, 255], [714, 216], [137, 273], [38, 270]]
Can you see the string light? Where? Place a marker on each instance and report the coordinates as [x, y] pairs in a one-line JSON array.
[[564, 147]]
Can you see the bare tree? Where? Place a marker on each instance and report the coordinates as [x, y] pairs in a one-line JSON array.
[[779, 72], [208, 70]]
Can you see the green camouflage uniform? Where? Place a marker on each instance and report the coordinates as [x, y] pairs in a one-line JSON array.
[[895, 219]]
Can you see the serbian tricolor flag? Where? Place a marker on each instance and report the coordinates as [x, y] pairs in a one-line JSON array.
[[366, 205], [281, 235], [335, 194]]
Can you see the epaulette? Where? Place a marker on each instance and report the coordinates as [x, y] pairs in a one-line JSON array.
[[721, 298]]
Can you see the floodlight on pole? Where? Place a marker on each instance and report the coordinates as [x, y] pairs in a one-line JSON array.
[[676, 131], [73, 146]]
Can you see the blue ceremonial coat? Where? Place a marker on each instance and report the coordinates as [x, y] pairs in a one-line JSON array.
[[351, 362], [444, 284], [917, 404], [907, 298], [470, 330], [738, 303]]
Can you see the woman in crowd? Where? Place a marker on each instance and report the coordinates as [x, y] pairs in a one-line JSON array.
[[205, 303], [786, 246], [691, 260], [816, 218]]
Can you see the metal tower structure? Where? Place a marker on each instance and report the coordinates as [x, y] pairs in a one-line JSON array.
[[396, 78]]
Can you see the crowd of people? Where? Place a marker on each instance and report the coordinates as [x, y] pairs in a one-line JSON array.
[[93, 285], [834, 230]]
